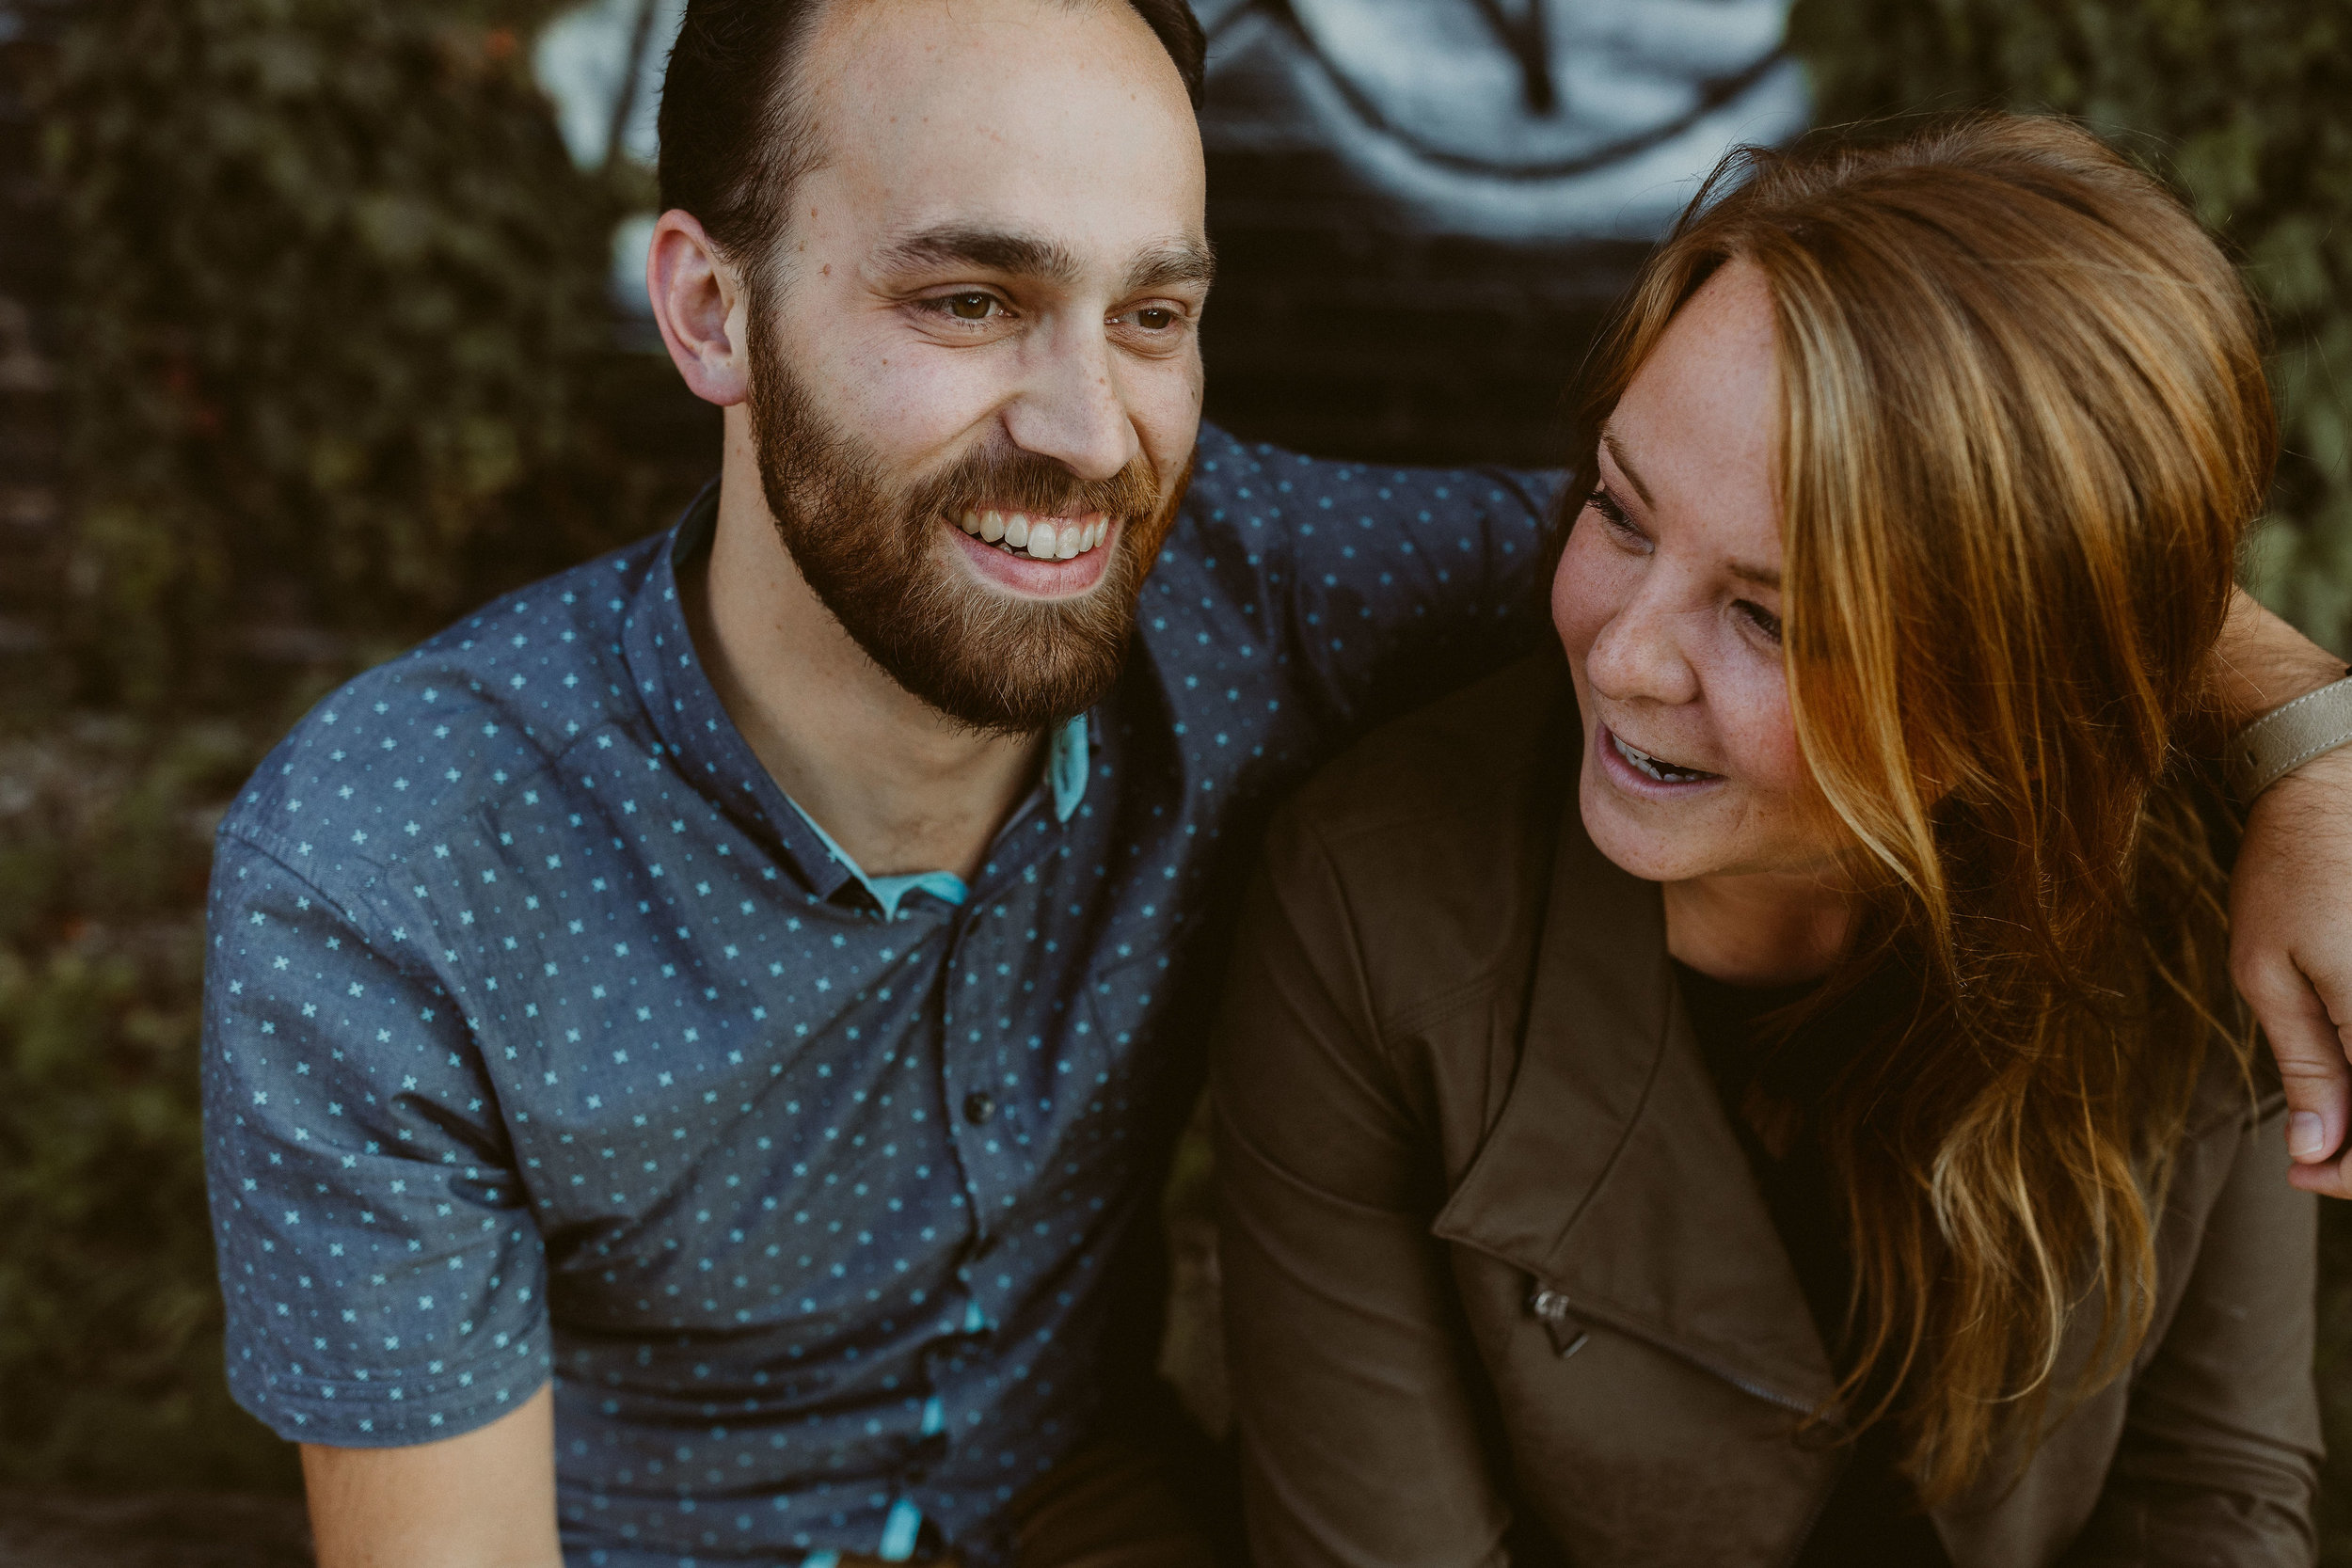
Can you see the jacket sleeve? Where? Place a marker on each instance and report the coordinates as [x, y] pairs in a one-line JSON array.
[[2219, 1456], [1354, 1387]]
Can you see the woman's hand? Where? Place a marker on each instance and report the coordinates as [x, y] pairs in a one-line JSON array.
[[2291, 954]]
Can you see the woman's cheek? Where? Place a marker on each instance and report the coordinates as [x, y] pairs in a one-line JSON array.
[[1762, 729], [1582, 595]]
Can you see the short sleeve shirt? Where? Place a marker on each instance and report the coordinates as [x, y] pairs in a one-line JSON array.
[[546, 1038]]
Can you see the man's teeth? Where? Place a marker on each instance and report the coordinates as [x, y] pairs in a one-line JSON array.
[[1040, 538], [1664, 772]]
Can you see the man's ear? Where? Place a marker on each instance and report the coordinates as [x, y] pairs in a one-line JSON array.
[[702, 309]]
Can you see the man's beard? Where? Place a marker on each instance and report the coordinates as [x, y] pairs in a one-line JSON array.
[[873, 552]]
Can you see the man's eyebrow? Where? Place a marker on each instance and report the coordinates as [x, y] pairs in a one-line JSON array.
[[990, 249], [1189, 259], [1625, 466]]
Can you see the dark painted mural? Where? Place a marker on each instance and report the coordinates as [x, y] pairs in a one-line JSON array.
[[1425, 205]]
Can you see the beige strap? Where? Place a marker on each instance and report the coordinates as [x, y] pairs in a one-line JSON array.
[[2286, 738]]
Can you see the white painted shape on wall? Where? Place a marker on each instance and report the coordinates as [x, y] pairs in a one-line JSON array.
[[631, 239], [582, 62], [1427, 102]]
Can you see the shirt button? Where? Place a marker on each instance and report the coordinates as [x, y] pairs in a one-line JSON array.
[[979, 1108]]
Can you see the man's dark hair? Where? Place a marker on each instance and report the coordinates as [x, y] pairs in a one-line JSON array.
[[734, 137]]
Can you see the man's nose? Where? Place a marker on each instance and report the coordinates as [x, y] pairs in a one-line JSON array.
[[1639, 655], [1069, 408]]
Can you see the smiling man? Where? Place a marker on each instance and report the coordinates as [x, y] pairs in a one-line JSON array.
[[692, 1051]]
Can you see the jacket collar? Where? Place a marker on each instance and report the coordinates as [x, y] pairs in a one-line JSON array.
[[1612, 1175]]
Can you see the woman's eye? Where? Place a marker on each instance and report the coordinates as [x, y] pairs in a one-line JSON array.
[[1614, 515], [1761, 618], [971, 307]]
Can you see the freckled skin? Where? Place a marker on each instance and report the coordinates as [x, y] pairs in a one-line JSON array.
[[1666, 652]]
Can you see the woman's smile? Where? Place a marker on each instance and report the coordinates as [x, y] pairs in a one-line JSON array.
[[1646, 773]]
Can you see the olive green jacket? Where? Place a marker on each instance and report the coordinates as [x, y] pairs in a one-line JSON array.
[[1500, 1288]]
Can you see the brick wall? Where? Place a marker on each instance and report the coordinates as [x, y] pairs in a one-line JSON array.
[[1337, 331]]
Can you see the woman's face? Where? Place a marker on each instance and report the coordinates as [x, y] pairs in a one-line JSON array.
[[1668, 602]]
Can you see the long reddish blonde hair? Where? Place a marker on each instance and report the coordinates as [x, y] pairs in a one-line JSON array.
[[2024, 425]]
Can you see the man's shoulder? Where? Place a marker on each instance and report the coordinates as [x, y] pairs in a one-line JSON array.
[[1252, 487], [467, 715]]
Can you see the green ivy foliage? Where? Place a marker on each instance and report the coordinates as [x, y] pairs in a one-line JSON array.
[[110, 1320], [2247, 106], [335, 291], [336, 359]]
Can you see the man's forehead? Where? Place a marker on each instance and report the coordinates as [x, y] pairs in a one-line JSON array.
[[1008, 115], [906, 57]]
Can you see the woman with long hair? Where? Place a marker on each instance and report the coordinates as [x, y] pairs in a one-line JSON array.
[[1766, 1088]]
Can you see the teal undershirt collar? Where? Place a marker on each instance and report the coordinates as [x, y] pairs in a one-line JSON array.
[[1065, 775]]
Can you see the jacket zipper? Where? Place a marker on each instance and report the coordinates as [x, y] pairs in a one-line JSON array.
[[1553, 1307], [1820, 1507]]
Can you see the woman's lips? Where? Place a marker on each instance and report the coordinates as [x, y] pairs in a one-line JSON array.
[[1646, 772]]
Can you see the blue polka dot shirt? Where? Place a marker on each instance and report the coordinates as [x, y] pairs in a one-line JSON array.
[[544, 1038]]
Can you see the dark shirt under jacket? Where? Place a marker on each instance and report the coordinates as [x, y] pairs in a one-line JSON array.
[[543, 1035], [1873, 1518]]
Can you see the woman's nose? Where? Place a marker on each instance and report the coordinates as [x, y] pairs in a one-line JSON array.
[[1639, 655]]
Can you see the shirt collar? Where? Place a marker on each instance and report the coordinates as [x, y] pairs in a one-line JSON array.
[[1066, 762], [1066, 774], [693, 725]]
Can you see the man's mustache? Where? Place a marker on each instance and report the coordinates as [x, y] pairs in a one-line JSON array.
[[1024, 482]]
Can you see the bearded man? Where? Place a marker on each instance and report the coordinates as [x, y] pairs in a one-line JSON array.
[[692, 1051]]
